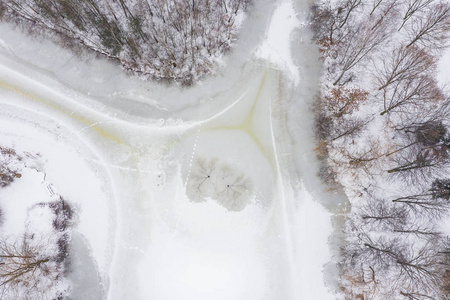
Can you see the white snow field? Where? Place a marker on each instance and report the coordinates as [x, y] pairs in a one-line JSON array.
[[206, 192]]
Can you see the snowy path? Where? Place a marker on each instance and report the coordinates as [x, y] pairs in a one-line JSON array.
[[150, 241]]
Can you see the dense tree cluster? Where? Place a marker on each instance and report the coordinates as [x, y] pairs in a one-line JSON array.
[[164, 39], [382, 127]]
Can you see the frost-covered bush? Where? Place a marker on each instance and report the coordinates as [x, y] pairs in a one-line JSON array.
[[210, 179], [9, 166], [178, 40]]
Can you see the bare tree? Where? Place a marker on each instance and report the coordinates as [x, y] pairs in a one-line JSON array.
[[420, 164], [425, 203], [370, 260], [323, 22], [421, 272], [378, 214], [394, 266], [414, 7], [432, 30], [357, 45], [328, 22], [411, 94], [25, 268], [428, 116], [405, 63], [427, 154], [333, 26], [361, 160], [432, 203], [375, 5], [423, 231], [349, 129], [348, 8]]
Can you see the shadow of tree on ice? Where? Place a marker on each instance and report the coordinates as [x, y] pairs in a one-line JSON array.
[[224, 183]]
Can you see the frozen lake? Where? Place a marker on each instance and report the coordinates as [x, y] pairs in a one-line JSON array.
[[207, 192]]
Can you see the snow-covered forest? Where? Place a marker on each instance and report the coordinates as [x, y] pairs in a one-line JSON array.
[[176, 40], [382, 124]]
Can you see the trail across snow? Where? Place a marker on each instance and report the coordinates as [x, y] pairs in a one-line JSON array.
[[123, 150]]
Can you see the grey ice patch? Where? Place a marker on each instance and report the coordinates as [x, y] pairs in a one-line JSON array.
[[221, 182]]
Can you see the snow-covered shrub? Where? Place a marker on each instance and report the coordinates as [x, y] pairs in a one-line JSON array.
[[63, 214], [9, 166], [61, 222]]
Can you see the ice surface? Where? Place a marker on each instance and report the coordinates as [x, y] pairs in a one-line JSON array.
[[277, 46], [122, 150]]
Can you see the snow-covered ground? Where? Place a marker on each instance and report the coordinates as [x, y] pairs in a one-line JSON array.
[[124, 153]]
